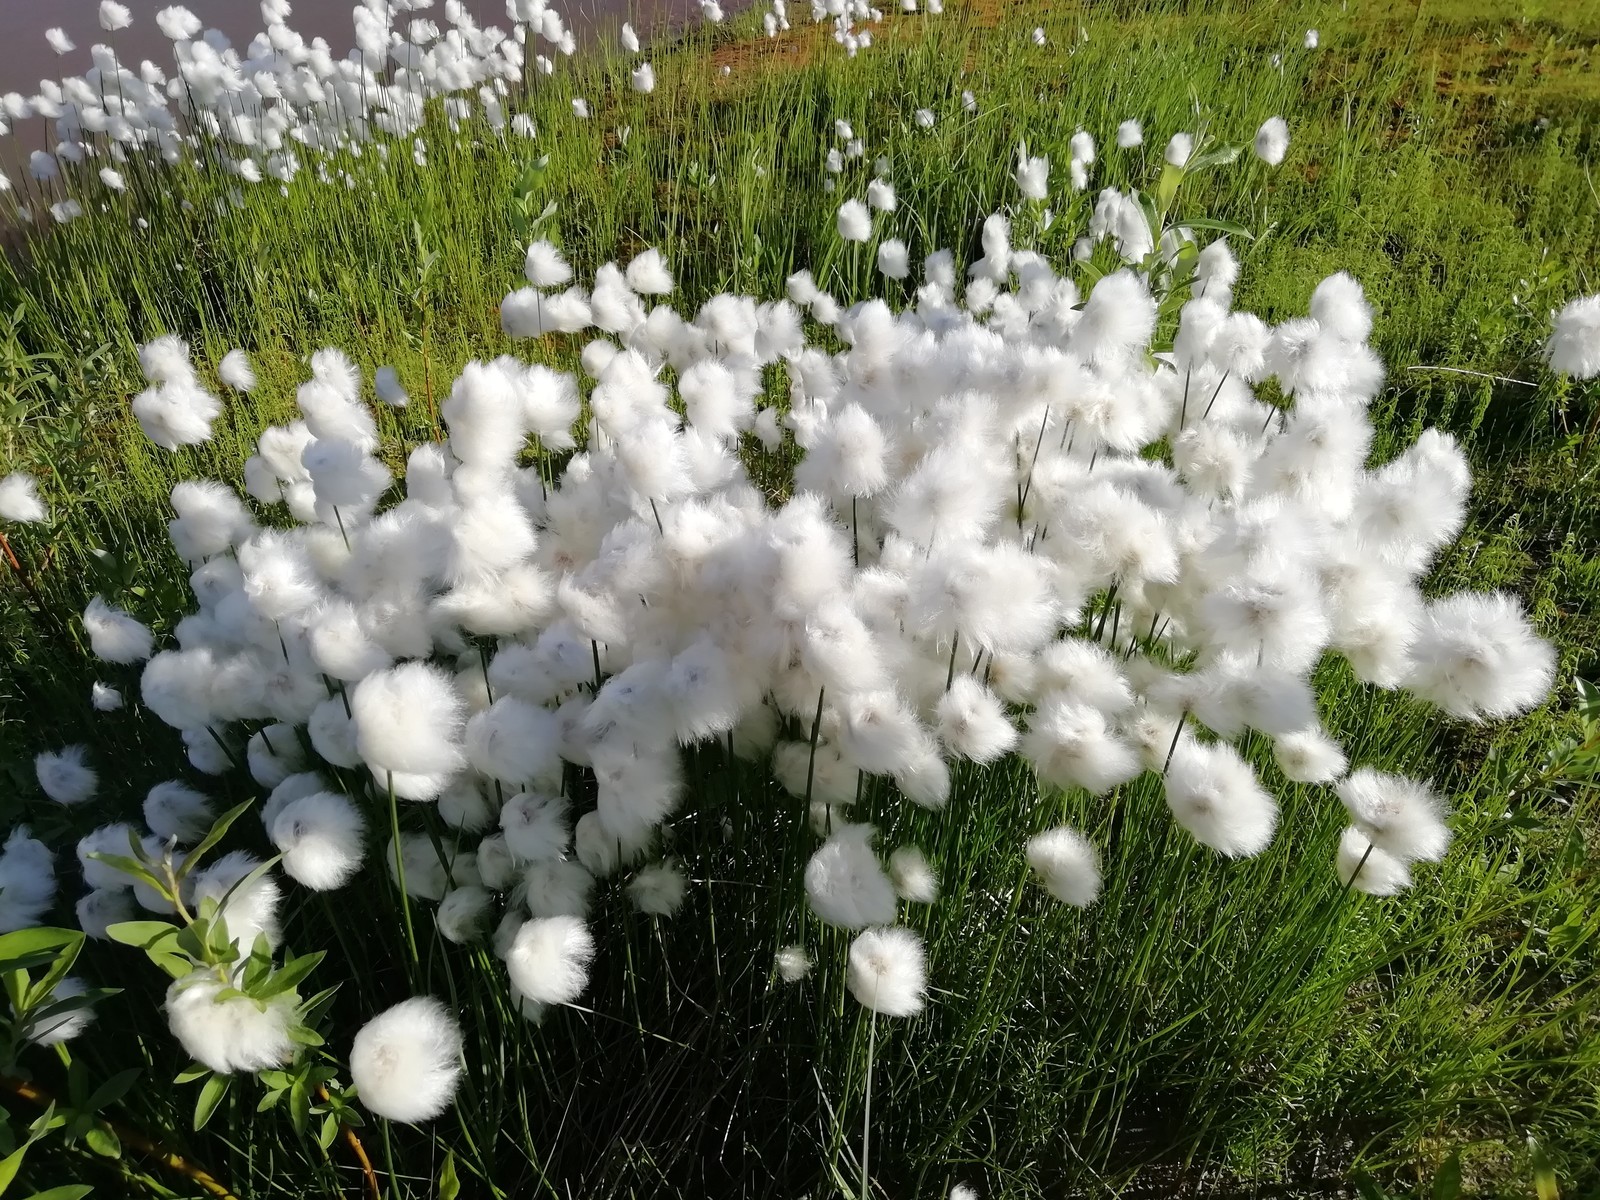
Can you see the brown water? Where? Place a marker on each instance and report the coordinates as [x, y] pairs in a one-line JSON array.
[[25, 57]]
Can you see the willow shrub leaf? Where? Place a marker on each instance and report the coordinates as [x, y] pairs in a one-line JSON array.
[[211, 1094], [103, 1142], [212, 837]]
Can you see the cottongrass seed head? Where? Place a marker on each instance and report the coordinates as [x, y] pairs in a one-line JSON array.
[[549, 959], [1067, 864], [65, 775], [886, 972], [406, 1061], [794, 963], [1364, 867]]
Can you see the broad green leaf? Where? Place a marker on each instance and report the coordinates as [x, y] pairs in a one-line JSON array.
[[112, 1089], [191, 940], [46, 1121], [289, 975], [218, 943], [256, 970], [27, 962], [1447, 1183], [190, 1073], [133, 867], [1221, 156], [1588, 700], [1216, 224], [67, 1191], [1171, 177], [299, 1105], [11, 1164], [16, 984], [212, 837], [1544, 1173], [142, 934], [210, 1096], [103, 1142], [173, 964], [449, 1184], [23, 942], [329, 1131]]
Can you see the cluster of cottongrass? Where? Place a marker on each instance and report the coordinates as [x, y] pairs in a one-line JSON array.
[[284, 103], [1014, 529]]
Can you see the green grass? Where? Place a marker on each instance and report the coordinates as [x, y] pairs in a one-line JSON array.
[[1207, 1022]]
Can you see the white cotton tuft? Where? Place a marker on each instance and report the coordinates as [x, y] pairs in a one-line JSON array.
[[1402, 817], [463, 914], [972, 722], [176, 812], [912, 876], [1033, 177], [545, 267], [61, 1027], [387, 384], [273, 754], [406, 1061], [535, 827], [1476, 656], [648, 275], [886, 971], [114, 636], [894, 260], [1339, 304], [107, 839], [1179, 149], [166, 359], [102, 908], [845, 883], [514, 741], [19, 500], [549, 959], [854, 221], [65, 775], [1117, 319], [1213, 793], [28, 881], [558, 888], [658, 889], [1130, 134], [104, 697], [235, 371], [1067, 864], [321, 838], [1573, 347], [211, 519], [409, 720], [1309, 756], [229, 1035], [1272, 141], [250, 910], [1073, 745], [1364, 867], [793, 963]]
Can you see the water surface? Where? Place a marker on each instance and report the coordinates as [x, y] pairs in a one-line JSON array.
[[25, 57]]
